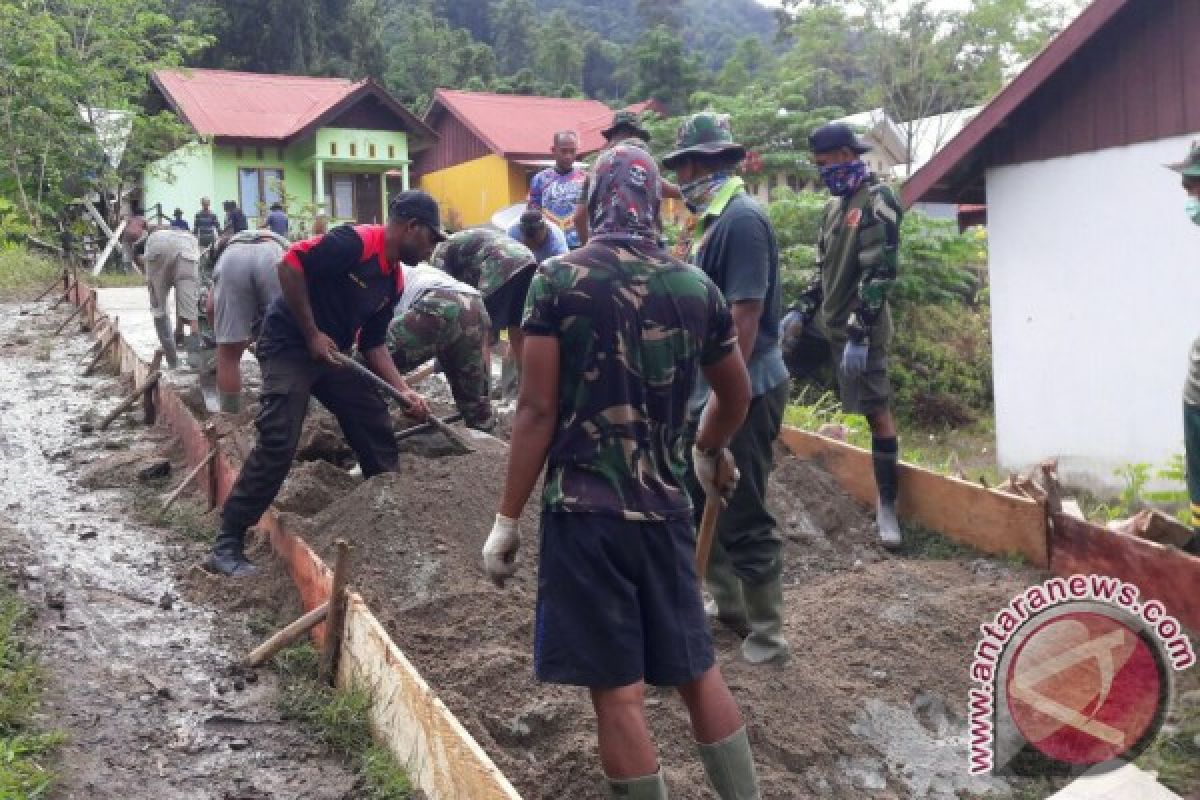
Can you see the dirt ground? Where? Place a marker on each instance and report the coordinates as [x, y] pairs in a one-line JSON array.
[[870, 706], [137, 669], [881, 644]]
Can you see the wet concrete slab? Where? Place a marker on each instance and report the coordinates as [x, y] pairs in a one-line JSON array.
[[141, 685]]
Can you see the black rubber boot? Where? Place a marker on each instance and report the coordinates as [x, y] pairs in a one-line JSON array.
[[228, 557], [1193, 545]]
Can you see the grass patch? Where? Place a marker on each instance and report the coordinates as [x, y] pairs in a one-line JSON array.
[[23, 752], [1175, 755], [339, 718], [21, 270], [922, 543]]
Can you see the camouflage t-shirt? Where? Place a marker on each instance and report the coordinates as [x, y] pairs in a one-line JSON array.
[[634, 326], [483, 258]]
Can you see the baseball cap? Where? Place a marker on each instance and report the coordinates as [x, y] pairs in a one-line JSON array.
[[834, 136], [418, 205]]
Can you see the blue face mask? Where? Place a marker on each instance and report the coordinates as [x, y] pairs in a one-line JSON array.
[[1193, 209], [844, 179]]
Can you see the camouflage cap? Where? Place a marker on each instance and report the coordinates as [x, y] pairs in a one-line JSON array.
[[1190, 166], [629, 121], [706, 133], [482, 258]]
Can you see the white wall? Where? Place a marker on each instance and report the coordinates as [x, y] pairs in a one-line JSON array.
[[1095, 274]]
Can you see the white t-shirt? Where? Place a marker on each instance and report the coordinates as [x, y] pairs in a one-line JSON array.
[[421, 278]]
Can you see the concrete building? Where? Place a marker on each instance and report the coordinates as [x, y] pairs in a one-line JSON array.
[[1094, 266]]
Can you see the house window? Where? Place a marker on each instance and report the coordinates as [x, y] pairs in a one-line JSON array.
[[353, 150], [793, 182], [392, 151], [333, 148], [258, 188], [371, 150]]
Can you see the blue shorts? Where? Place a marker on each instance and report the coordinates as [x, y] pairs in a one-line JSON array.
[[619, 602]]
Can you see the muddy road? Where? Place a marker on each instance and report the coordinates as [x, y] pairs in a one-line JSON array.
[[138, 674]]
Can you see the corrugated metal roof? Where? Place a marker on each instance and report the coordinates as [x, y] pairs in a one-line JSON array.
[[250, 105], [525, 125]]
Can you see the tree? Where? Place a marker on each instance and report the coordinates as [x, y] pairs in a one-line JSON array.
[[515, 26], [559, 59], [663, 70], [62, 62]]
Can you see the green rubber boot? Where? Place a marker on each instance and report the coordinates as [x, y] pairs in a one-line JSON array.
[[730, 767], [650, 787], [728, 606], [764, 607]]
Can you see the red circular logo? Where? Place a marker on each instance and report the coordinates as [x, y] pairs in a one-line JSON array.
[[1084, 688]]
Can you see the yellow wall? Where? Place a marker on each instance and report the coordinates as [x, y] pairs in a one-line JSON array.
[[469, 193]]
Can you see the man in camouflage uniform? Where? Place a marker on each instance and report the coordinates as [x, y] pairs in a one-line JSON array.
[[501, 268], [843, 317], [440, 317], [615, 334]]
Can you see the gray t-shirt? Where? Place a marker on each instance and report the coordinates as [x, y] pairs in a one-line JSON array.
[[740, 254], [1191, 389]]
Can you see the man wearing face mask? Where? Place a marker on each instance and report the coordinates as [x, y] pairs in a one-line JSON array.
[[843, 316], [734, 244], [1190, 170], [337, 290]]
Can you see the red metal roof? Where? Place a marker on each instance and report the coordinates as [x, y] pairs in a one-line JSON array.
[[932, 181], [522, 125], [248, 105]]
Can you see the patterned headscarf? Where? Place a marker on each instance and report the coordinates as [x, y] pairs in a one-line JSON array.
[[625, 194]]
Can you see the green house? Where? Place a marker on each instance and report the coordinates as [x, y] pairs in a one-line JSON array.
[[317, 145]]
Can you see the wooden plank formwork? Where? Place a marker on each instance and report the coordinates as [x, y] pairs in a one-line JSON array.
[[442, 758], [1161, 573], [986, 519]]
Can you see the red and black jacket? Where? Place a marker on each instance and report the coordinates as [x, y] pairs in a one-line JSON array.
[[351, 286]]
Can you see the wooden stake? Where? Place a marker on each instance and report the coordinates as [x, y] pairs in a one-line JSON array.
[[210, 433], [110, 337], [62, 299], [337, 612], [191, 476], [78, 310], [281, 639], [130, 399], [51, 287], [708, 529]]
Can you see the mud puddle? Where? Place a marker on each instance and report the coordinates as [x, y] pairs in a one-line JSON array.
[[138, 675]]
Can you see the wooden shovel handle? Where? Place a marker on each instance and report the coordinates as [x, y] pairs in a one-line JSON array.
[[708, 529]]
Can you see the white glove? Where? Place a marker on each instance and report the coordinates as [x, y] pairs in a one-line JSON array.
[[500, 549], [716, 471]]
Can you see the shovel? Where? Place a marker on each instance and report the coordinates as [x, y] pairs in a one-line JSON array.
[[459, 443], [708, 529]]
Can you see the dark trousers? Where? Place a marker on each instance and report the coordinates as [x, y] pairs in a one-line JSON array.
[[1191, 449], [289, 379], [746, 537]]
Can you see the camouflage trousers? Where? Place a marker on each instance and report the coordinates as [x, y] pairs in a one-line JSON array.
[[453, 328]]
